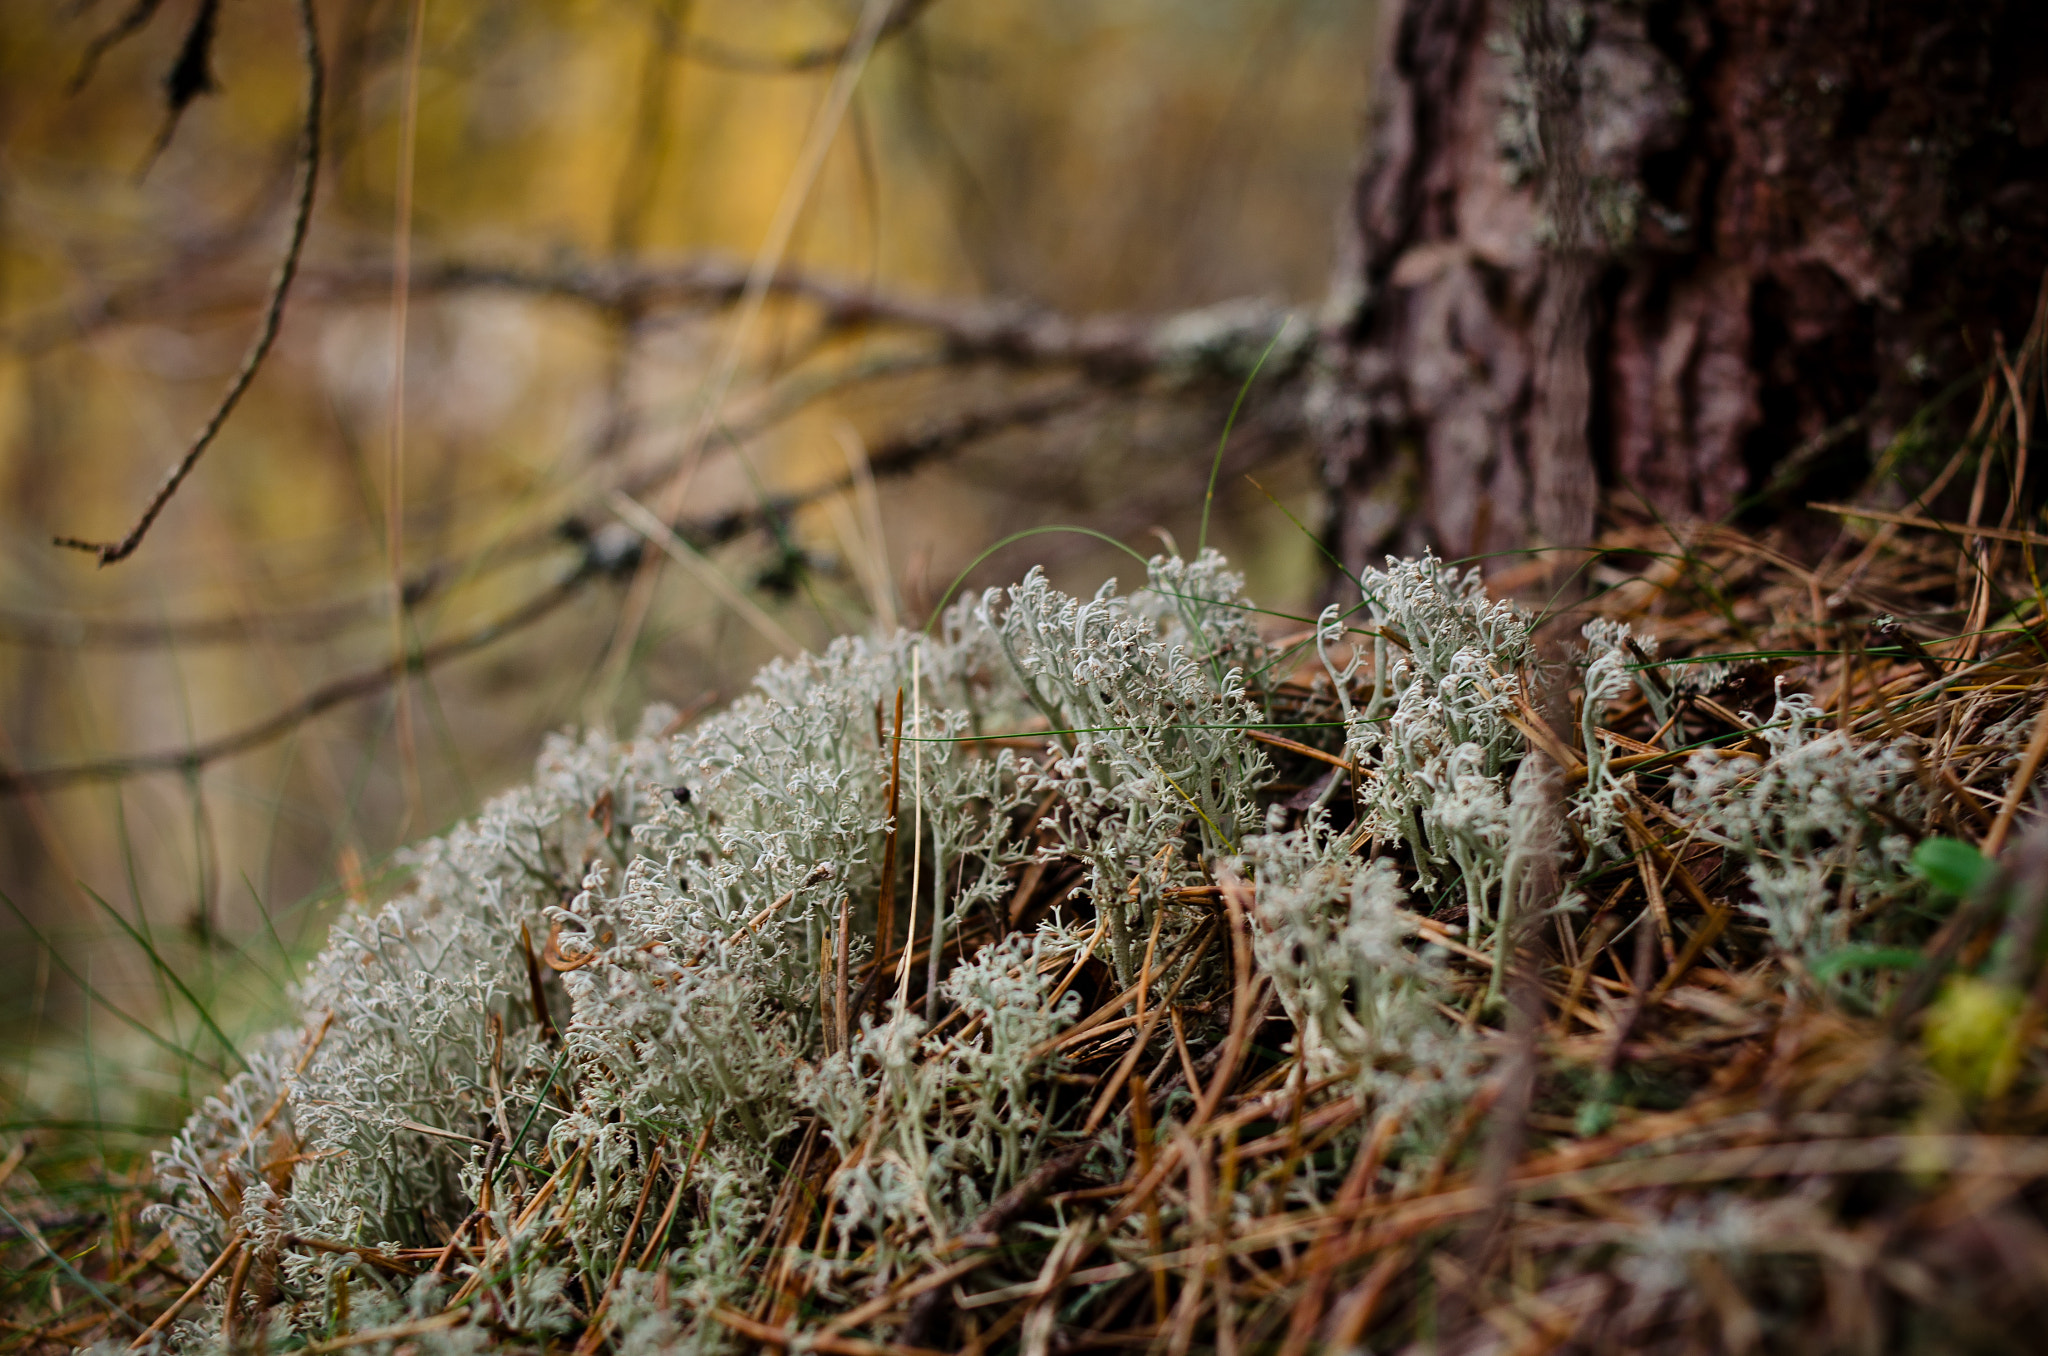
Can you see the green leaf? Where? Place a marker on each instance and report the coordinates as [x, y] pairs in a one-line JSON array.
[[1952, 867]]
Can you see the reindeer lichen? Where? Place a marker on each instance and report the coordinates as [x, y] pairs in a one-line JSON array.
[[574, 1063]]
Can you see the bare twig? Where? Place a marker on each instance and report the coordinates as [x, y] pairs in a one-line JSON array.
[[273, 311]]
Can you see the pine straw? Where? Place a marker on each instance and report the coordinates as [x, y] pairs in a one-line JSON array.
[[1661, 1074]]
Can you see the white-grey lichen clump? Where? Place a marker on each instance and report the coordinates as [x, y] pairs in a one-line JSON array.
[[677, 899]]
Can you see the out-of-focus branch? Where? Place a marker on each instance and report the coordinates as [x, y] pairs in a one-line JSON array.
[[903, 454], [1224, 340], [63, 631], [898, 456], [601, 557], [300, 626], [319, 622], [273, 312], [1219, 342], [364, 683]]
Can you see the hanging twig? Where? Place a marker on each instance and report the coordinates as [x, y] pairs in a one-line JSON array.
[[273, 311]]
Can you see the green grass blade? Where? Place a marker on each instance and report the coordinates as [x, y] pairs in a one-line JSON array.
[[148, 1032], [1216, 466], [176, 980], [77, 1278]]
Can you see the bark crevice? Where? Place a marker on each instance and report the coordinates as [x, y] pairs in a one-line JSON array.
[[1685, 251]]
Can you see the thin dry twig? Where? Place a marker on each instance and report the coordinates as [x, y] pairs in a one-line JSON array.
[[109, 552]]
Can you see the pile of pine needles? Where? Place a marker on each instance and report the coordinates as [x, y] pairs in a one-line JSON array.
[[1688, 1140]]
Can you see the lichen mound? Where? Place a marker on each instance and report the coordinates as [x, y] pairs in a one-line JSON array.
[[814, 1022]]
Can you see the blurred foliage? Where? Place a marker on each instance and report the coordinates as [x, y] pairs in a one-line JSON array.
[[1139, 157]]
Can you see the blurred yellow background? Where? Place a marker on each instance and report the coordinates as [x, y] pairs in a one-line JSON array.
[[1133, 158]]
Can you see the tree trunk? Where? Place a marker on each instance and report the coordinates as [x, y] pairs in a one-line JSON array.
[[1706, 255]]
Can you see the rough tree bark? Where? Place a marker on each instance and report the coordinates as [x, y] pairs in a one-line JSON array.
[[1675, 250]]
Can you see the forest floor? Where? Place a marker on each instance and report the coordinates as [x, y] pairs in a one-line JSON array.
[[1693, 1135]]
